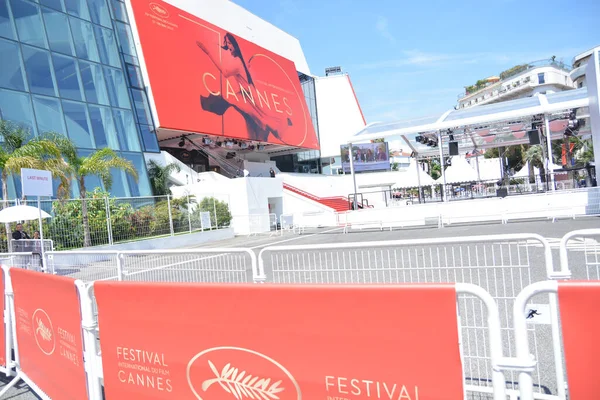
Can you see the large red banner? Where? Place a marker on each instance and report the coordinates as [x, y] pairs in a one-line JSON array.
[[207, 80], [212, 342], [578, 303], [49, 334]]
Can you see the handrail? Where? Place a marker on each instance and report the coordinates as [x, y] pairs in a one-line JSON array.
[[309, 195]]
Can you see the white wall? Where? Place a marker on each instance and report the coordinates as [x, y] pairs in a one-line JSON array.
[[260, 169], [178, 178], [241, 22], [338, 111]]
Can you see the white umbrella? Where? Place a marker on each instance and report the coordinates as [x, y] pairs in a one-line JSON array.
[[22, 213]]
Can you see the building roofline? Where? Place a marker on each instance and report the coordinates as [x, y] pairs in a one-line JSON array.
[[585, 54]]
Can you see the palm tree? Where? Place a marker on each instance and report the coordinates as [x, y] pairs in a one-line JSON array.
[[99, 163], [535, 157], [159, 176], [18, 150]]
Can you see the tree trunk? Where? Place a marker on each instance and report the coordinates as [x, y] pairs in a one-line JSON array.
[[4, 205], [87, 239], [542, 173], [531, 171]]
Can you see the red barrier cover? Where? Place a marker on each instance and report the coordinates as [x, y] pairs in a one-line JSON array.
[[49, 335], [207, 80], [580, 319], [3, 327], [212, 342]]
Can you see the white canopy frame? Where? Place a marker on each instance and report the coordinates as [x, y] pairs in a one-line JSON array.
[[488, 126]]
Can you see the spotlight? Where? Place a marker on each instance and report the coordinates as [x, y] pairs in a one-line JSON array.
[[243, 145], [182, 142], [418, 138], [451, 137], [206, 140], [219, 144], [261, 147]]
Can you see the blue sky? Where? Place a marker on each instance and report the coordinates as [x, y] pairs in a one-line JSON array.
[[413, 58]]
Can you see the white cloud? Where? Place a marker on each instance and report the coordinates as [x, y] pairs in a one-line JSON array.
[[381, 25]]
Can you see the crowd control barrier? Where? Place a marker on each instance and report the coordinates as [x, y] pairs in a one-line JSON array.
[[295, 347], [503, 265]]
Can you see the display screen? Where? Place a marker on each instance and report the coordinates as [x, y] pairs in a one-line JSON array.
[[367, 157], [206, 80]]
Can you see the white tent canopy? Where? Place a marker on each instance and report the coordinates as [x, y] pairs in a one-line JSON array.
[[460, 171]]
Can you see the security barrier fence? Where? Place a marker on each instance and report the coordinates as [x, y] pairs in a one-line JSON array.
[[503, 351]]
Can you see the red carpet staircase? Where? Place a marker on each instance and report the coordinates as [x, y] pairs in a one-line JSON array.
[[339, 204]]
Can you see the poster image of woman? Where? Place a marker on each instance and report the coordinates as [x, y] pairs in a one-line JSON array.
[[234, 68]]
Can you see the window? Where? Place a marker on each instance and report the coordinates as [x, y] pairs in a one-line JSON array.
[[135, 76], [126, 130], [93, 83], [39, 71], [29, 23], [99, 12], [141, 107], [107, 46], [119, 187], [91, 181], [67, 77], [56, 4], [103, 127], [7, 29], [48, 114], [16, 107], [78, 8], [125, 39], [142, 186], [149, 139], [59, 33], [83, 36], [117, 88], [542, 78], [78, 124], [119, 10], [12, 70]]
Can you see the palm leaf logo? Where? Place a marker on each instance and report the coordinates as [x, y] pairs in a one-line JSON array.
[[242, 385]]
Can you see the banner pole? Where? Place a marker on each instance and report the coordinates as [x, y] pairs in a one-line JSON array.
[[41, 234], [351, 156]]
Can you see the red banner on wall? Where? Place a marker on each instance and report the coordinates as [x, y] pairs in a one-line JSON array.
[[578, 303], [207, 80], [49, 338], [211, 342]]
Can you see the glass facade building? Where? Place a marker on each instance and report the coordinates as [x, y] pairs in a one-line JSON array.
[[306, 161], [70, 66]]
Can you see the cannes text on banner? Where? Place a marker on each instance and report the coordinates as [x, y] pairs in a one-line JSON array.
[[212, 342], [49, 337], [207, 80], [580, 319]]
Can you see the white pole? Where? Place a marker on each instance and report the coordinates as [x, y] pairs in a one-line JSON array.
[[477, 164], [444, 197], [41, 233], [351, 155], [419, 179], [549, 163]]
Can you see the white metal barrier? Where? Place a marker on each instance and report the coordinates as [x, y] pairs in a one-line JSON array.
[[31, 245], [286, 223], [501, 264], [254, 224], [87, 266], [24, 260], [580, 254]]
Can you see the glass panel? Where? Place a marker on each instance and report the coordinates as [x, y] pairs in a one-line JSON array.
[[131, 59], [48, 114], [39, 71], [141, 107], [568, 95], [59, 33], [29, 23], [16, 107], [127, 133], [142, 186], [135, 76], [149, 139], [56, 4], [125, 39], [83, 36], [6, 26], [119, 187], [93, 83], [67, 77], [103, 127], [78, 8], [78, 125], [107, 46], [117, 88], [11, 76], [119, 10], [99, 12]]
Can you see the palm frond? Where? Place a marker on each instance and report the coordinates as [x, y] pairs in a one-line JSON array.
[[101, 162], [64, 144], [14, 164], [13, 135], [37, 148]]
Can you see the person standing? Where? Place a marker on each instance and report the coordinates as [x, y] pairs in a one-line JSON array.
[[272, 172], [19, 233]]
